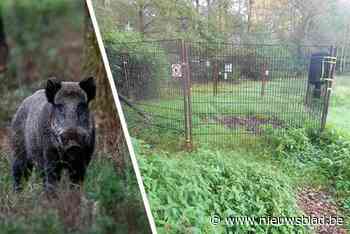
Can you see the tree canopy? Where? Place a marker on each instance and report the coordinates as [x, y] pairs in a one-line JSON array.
[[240, 21]]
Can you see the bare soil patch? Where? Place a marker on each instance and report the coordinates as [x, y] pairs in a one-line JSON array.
[[252, 124], [319, 204]]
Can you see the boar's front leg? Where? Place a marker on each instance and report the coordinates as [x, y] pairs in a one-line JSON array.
[[52, 170], [21, 168]]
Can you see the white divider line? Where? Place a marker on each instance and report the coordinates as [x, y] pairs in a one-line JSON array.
[[121, 116]]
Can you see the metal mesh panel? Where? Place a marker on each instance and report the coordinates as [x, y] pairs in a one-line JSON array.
[[238, 90], [231, 90], [143, 75], [343, 65]]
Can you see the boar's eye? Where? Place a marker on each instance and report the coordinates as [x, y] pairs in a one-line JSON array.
[[82, 107], [83, 112], [60, 108], [60, 112]]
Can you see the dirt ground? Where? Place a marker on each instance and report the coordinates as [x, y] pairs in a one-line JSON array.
[[317, 203], [252, 124]]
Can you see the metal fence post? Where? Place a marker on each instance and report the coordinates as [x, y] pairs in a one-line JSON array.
[[187, 94], [332, 60], [264, 76], [215, 77]]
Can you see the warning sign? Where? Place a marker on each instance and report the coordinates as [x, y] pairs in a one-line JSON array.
[[176, 71]]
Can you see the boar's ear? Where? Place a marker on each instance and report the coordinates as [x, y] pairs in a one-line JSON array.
[[89, 86], [52, 87]]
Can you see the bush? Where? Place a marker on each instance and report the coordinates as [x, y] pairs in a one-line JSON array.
[[336, 157], [327, 152], [146, 58], [294, 143]]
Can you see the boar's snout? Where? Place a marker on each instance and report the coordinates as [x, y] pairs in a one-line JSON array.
[[74, 139], [72, 151]]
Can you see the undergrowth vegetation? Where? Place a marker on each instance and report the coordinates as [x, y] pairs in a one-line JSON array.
[[318, 159], [109, 202], [328, 153], [186, 189]]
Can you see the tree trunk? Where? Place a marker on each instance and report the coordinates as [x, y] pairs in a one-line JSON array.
[[107, 3], [221, 16], [250, 9], [141, 19], [208, 13], [109, 132], [3, 45], [197, 6]]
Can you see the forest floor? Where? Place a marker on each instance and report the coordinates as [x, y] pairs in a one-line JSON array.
[[319, 203]]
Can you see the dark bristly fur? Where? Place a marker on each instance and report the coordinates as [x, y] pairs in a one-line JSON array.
[[53, 130]]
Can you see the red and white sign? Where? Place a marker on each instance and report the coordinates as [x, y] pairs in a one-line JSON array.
[[176, 71]]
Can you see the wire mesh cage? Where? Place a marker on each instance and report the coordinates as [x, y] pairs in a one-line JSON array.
[[209, 91], [343, 61]]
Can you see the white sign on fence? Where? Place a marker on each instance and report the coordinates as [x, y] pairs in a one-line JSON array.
[[228, 67], [176, 71]]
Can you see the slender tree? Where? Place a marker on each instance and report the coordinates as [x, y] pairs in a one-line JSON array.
[[3, 44]]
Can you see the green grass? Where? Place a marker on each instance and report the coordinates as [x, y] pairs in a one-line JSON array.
[[339, 110], [283, 101]]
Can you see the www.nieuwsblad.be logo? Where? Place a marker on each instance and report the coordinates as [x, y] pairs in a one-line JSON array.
[[300, 221]]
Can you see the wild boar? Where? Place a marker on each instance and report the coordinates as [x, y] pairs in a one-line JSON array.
[[52, 130]]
